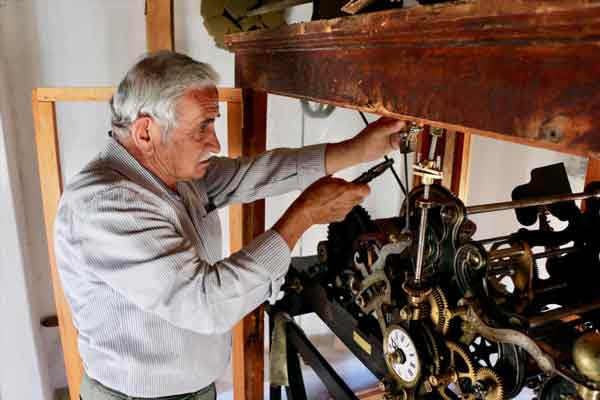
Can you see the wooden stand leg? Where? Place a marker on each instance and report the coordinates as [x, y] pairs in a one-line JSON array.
[[593, 170], [247, 222], [159, 25]]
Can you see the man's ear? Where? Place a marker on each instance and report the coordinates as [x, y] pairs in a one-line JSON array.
[[145, 133]]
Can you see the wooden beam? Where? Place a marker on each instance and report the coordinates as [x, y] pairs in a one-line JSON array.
[[75, 94], [247, 222], [159, 25], [85, 94], [46, 138], [520, 71]]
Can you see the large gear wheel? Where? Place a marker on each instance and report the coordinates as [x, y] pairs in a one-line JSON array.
[[438, 306], [515, 282], [433, 350], [460, 361], [488, 385], [507, 360]]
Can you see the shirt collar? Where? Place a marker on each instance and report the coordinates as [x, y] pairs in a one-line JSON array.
[[122, 161]]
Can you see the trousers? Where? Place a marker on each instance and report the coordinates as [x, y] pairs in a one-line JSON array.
[[93, 390]]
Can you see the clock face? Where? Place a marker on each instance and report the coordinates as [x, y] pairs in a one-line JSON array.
[[401, 355]]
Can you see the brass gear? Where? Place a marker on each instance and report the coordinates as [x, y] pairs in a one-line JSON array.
[[494, 388], [439, 310], [460, 361], [433, 349], [520, 274]]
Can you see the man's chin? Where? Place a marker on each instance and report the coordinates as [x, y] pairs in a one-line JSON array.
[[201, 170]]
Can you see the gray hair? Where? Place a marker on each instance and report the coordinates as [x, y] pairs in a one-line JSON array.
[[153, 86]]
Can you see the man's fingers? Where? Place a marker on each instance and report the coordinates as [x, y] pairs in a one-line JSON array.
[[387, 125], [395, 139], [362, 189], [356, 191]]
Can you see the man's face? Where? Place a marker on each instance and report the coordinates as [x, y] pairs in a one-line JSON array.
[[187, 147]]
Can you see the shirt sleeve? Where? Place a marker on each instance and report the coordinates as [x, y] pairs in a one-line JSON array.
[[244, 179], [126, 243]]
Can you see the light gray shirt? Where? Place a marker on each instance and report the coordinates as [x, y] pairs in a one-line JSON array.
[[152, 297]]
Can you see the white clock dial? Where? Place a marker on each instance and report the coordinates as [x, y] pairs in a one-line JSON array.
[[401, 356]]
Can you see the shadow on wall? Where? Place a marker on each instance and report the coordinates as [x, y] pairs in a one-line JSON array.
[[61, 56], [20, 67]]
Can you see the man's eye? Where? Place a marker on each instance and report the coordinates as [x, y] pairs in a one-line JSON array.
[[204, 125]]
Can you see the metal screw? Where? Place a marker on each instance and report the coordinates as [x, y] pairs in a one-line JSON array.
[[405, 314]]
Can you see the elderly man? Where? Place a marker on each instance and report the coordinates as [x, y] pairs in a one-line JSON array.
[[138, 237]]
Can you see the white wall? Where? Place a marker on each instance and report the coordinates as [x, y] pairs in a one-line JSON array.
[[498, 167], [22, 372]]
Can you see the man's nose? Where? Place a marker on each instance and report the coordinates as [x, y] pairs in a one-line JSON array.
[[213, 143]]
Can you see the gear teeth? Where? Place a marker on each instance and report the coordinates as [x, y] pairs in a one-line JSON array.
[[457, 351], [439, 310], [490, 377], [434, 349]]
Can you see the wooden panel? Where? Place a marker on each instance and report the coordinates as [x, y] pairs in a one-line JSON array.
[[159, 25], [525, 71], [78, 94], [461, 165], [75, 94], [593, 170], [46, 138], [247, 223], [449, 150]]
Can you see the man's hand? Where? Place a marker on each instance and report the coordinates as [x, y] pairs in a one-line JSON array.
[[327, 200], [373, 142]]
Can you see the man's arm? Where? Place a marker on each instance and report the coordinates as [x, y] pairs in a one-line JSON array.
[[327, 200], [373, 142], [279, 171], [245, 179], [331, 199], [123, 240]]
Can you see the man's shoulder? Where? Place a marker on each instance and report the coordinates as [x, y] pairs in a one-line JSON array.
[[98, 180]]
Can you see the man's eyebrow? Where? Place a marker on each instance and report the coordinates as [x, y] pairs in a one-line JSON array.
[[212, 118]]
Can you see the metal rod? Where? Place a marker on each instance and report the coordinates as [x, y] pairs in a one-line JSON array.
[[538, 201], [556, 252], [432, 147], [499, 254], [551, 316], [494, 239], [280, 5], [549, 288], [421, 244]]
